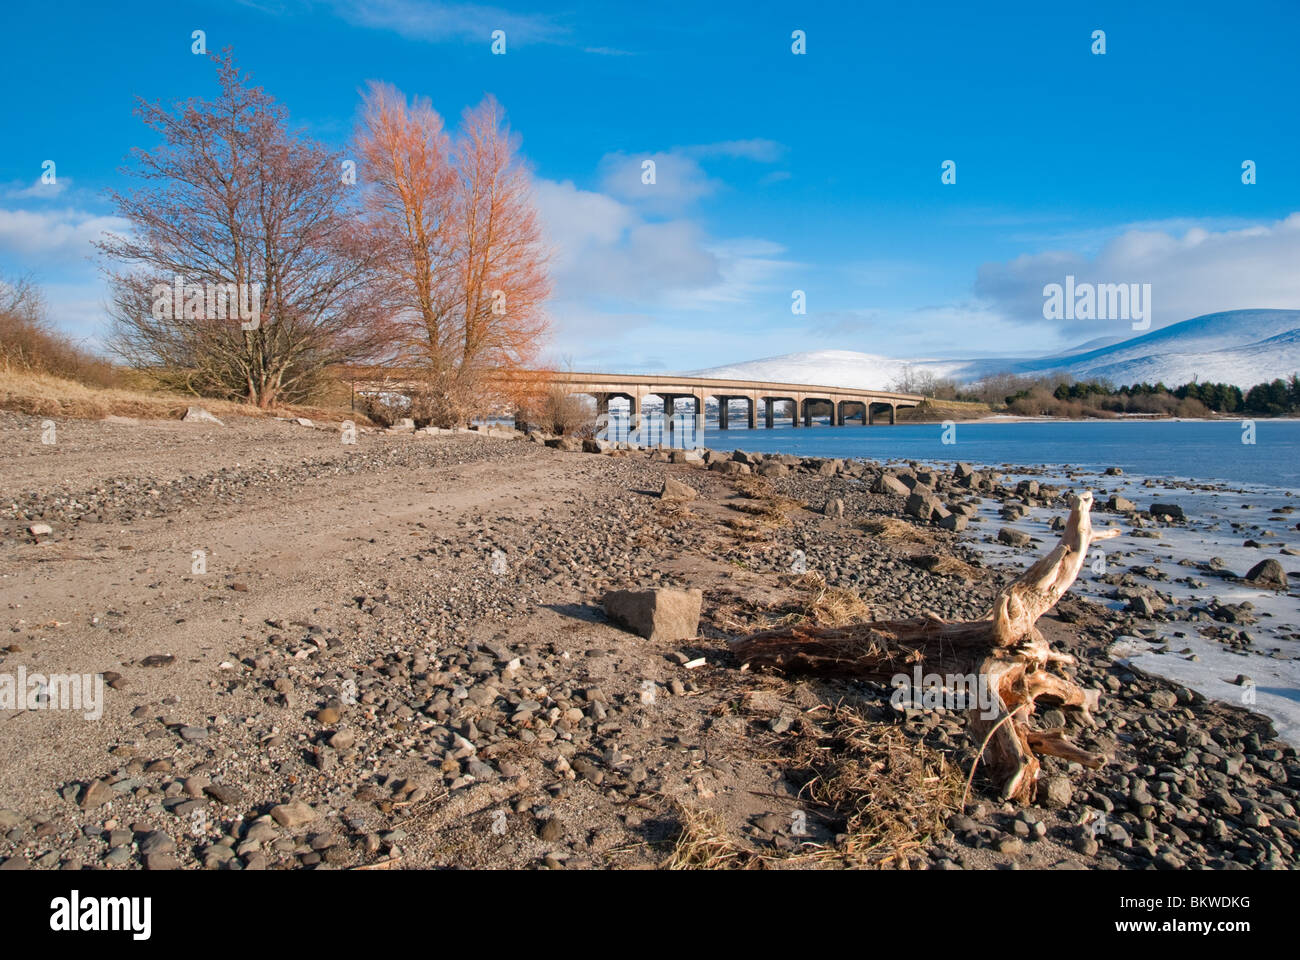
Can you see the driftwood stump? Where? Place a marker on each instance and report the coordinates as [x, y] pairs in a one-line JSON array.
[[1003, 648]]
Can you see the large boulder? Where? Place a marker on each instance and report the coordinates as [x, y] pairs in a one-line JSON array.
[[674, 489], [1171, 510], [922, 506], [1268, 574], [199, 415], [661, 614], [730, 467], [888, 483], [956, 522], [1013, 538]]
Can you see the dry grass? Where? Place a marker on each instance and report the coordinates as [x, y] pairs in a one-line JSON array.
[[703, 844], [887, 528], [768, 509], [946, 566], [765, 512], [747, 531], [829, 606], [893, 792], [936, 410], [43, 395]]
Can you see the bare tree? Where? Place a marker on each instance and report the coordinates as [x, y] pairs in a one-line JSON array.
[[233, 197]]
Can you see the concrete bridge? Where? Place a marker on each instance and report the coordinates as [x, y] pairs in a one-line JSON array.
[[806, 402], [840, 404]]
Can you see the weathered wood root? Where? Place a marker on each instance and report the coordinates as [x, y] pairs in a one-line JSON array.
[[1002, 649]]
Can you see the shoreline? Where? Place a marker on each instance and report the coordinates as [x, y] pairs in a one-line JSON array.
[[480, 691]]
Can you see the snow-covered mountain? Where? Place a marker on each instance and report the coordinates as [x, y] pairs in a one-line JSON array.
[[1244, 347]]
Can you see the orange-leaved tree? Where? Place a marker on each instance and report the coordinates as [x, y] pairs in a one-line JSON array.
[[460, 249]]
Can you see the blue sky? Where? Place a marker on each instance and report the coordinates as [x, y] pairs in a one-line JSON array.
[[775, 172]]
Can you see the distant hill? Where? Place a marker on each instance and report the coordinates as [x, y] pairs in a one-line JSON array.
[[1243, 347]]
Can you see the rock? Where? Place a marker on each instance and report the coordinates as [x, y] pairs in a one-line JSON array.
[[834, 508], [771, 468], [97, 793], [303, 422], [954, 521], [1013, 538], [1268, 574], [38, 530], [593, 445], [674, 489], [157, 842], [1167, 510], [1121, 504], [228, 794], [659, 615], [199, 415], [1142, 606], [327, 716], [569, 444], [550, 830], [1057, 792], [730, 467], [1011, 846], [887, 483], [921, 505], [291, 815]]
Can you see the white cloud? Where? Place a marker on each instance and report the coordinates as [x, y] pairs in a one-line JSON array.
[[1198, 271], [756, 149], [679, 177], [610, 264], [435, 21], [679, 180], [603, 248], [38, 190], [63, 236]]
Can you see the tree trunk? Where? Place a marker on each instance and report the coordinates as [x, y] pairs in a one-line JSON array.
[[1003, 649]]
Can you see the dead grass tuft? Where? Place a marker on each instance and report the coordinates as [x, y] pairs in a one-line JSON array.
[[893, 792], [829, 606], [888, 528], [703, 844]]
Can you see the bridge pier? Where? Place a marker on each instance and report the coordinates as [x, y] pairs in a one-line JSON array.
[[634, 417], [768, 404], [723, 413]]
